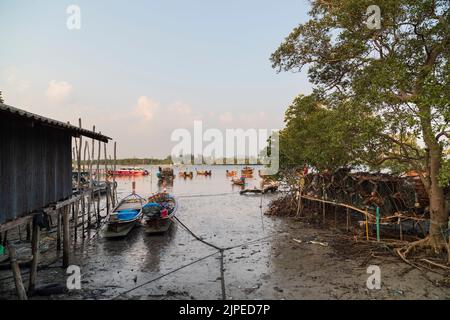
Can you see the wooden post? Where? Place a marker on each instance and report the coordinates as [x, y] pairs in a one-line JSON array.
[[98, 209], [97, 176], [79, 158], [348, 220], [106, 160], [108, 195], [75, 219], [86, 151], [114, 175], [323, 212], [58, 231], [83, 213], [20, 289], [91, 158], [66, 239], [35, 253], [28, 232]]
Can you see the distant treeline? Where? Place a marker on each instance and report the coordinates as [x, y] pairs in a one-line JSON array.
[[168, 161], [132, 161]]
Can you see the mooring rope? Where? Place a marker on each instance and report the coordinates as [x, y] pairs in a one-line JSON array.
[[164, 275]]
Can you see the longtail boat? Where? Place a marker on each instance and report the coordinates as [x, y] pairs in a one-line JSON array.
[[165, 174], [185, 174], [129, 172], [125, 216], [231, 173], [159, 212], [247, 172], [204, 172], [238, 181]]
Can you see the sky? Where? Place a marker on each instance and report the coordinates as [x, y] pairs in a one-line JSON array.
[[138, 70]]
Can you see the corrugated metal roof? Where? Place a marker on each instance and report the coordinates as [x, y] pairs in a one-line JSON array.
[[75, 131]]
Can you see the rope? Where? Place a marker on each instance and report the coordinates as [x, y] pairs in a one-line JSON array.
[[164, 275]]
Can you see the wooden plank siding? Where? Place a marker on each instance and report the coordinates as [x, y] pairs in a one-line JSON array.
[[35, 166]]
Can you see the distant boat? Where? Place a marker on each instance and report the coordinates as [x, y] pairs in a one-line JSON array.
[[247, 172], [204, 172], [165, 174], [159, 212], [124, 217], [129, 172], [231, 173], [238, 181], [185, 174]]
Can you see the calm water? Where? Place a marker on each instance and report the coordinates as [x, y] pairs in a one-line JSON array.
[[213, 209]]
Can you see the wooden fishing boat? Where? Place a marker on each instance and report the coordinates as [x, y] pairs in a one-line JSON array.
[[125, 216], [204, 172], [247, 172], [129, 172], [238, 181], [185, 174], [158, 213], [231, 173], [165, 174]]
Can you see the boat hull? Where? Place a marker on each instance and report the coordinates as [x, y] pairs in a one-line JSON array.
[[157, 226], [117, 230], [120, 226]]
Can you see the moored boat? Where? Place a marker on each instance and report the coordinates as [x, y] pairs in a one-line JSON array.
[[159, 212], [204, 172], [165, 174], [125, 216], [231, 173], [185, 174], [129, 172], [247, 172], [238, 181]]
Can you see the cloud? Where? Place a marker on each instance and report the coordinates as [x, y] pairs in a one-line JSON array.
[[58, 90], [180, 108], [146, 108]]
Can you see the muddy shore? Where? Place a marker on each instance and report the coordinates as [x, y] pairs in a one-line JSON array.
[[272, 258]]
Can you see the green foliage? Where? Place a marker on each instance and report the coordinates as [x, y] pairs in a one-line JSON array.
[[381, 96], [1, 98]]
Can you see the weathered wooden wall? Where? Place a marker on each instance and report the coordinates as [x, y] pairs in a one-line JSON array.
[[35, 166]]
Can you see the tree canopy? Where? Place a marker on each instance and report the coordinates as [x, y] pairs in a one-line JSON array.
[[380, 95]]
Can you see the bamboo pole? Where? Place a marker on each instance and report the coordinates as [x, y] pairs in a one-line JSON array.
[[66, 239], [83, 213], [35, 253], [91, 158], [114, 175], [75, 219], [58, 231], [80, 145], [106, 160], [20, 289], [367, 227], [97, 176], [28, 232]]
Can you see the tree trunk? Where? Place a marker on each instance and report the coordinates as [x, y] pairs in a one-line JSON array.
[[438, 213]]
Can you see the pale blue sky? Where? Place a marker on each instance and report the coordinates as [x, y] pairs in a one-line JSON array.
[[136, 63]]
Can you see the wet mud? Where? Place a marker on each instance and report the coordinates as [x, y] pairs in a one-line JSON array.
[[264, 257]]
